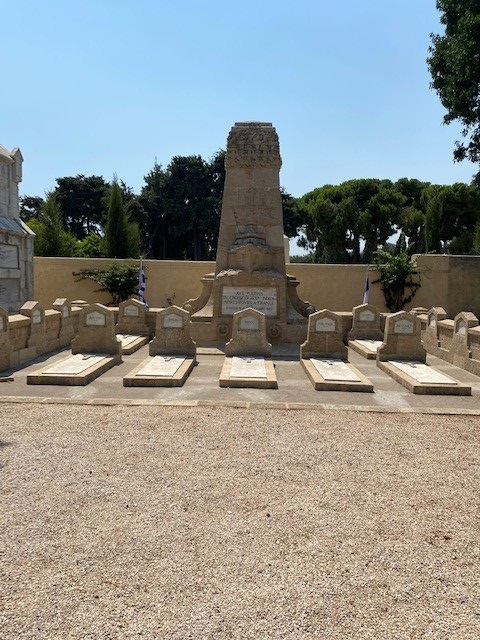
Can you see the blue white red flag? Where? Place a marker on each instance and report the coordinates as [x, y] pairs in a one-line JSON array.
[[142, 286]]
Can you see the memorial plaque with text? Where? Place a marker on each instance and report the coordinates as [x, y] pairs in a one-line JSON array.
[[325, 325], [262, 299], [36, 317], [249, 323], [131, 311], [8, 256], [366, 316], [9, 291], [173, 321], [403, 326], [462, 327], [95, 319]]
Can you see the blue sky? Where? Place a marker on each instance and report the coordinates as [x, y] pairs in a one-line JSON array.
[[103, 87]]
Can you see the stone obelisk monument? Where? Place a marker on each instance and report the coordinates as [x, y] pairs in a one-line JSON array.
[[250, 265]]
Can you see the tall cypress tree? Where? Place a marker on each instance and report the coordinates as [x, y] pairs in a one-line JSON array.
[[119, 232]]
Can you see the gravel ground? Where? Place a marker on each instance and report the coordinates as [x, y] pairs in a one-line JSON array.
[[167, 522]]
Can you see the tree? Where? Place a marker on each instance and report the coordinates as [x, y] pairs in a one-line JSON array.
[[83, 202], [398, 276], [433, 223], [120, 281], [454, 65], [121, 236], [51, 239], [30, 207]]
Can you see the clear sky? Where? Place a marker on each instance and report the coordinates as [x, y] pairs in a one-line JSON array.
[[106, 86]]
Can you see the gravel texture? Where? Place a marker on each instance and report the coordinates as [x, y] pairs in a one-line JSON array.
[[168, 522]]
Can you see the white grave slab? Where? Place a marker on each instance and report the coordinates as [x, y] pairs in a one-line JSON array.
[[248, 367], [162, 366], [422, 373], [371, 345], [331, 369], [127, 339], [76, 364]]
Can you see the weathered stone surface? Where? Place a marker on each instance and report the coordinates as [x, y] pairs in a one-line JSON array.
[[431, 340], [325, 336], [172, 333], [248, 335], [402, 338], [37, 332], [66, 332], [96, 332], [250, 264], [365, 323], [132, 318], [460, 347], [16, 239], [5, 346]]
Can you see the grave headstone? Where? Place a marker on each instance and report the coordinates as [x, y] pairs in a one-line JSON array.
[[66, 332], [324, 337], [172, 351], [245, 354], [249, 335], [431, 341], [132, 318], [37, 338], [172, 333], [250, 264], [96, 332], [460, 347], [366, 335], [402, 338]]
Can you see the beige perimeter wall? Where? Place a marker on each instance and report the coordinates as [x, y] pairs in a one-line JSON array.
[[452, 282]]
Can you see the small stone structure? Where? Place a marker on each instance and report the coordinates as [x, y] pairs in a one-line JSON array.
[[66, 332], [250, 264], [172, 351], [5, 347], [431, 340], [16, 239], [402, 338], [38, 336], [132, 318], [249, 335], [96, 332], [460, 348], [366, 334], [172, 333], [325, 336], [245, 364]]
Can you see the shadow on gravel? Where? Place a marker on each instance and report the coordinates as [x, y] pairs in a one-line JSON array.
[[4, 444]]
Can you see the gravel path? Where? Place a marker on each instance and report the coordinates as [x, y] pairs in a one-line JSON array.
[[167, 522]]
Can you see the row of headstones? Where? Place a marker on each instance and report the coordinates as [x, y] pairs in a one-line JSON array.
[[457, 341]]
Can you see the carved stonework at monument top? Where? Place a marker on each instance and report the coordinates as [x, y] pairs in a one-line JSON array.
[[252, 201]]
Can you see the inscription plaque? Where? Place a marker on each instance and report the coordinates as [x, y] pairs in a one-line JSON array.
[[432, 322], [95, 319], [403, 326], [36, 317], [8, 256], [249, 323], [131, 311], [65, 312], [9, 291], [172, 321], [262, 299], [366, 316], [462, 327], [325, 325], [2, 324]]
